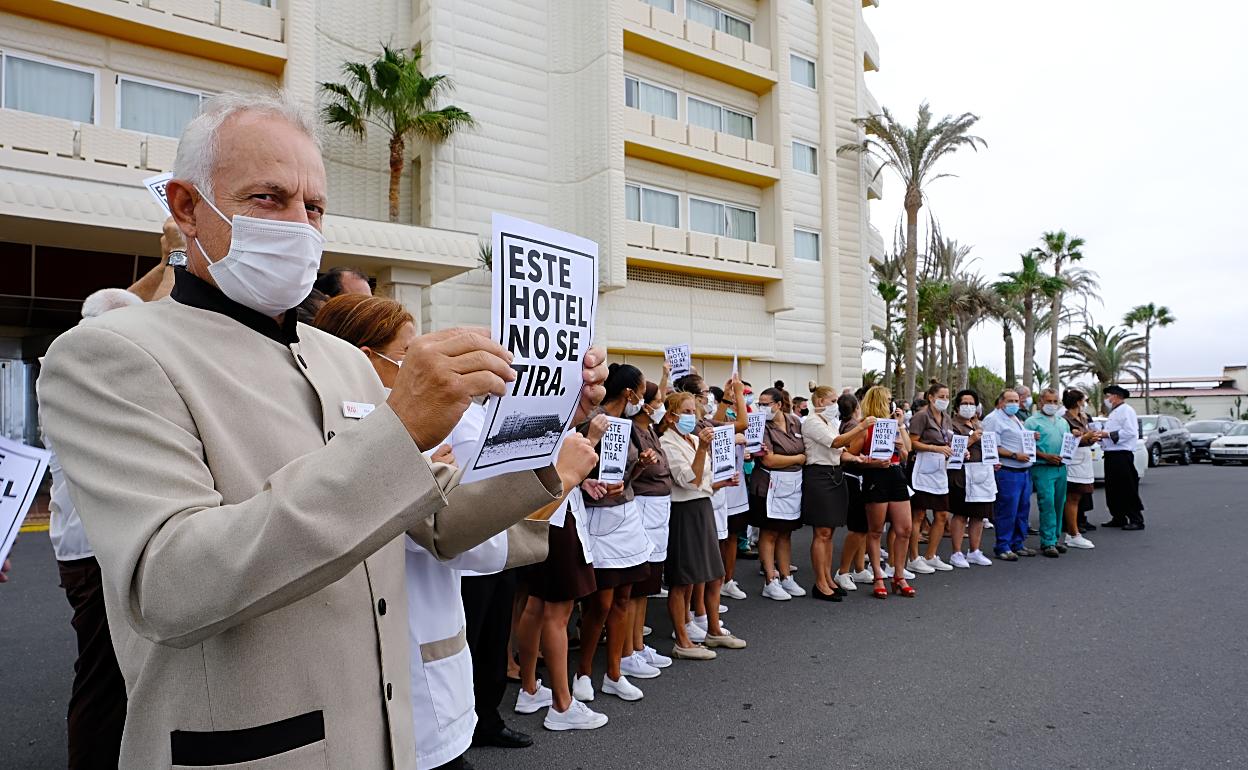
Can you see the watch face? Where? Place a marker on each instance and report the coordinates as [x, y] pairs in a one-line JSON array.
[[177, 259]]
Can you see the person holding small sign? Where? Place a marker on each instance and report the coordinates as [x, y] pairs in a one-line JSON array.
[[884, 488], [930, 434], [972, 487], [1013, 506], [776, 493], [1079, 474], [621, 547], [825, 495], [1048, 474]]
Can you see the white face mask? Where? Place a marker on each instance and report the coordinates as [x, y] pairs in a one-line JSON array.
[[766, 412], [631, 409], [967, 411], [1049, 409], [942, 404], [399, 364], [658, 414], [271, 264], [1109, 404]]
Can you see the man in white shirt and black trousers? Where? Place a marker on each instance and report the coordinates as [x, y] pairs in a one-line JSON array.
[[1122, 481]]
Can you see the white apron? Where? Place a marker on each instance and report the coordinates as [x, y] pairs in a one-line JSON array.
[[784, 496], [656, 516], [1080, 469], [738, 496], [719, 503], [619, 536], [930, 474], [981, 483]]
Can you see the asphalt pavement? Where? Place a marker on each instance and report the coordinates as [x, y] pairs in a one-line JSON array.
[[1132, 655]]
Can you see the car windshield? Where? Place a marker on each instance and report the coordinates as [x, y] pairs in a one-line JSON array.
[[1206, 426], [1239, 430], [1148, 423]]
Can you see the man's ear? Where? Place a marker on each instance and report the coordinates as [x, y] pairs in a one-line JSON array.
[[181, 196]]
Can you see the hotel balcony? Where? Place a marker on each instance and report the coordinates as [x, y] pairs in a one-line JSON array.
[[696, 47], [870, 3], [699, 253], [873, 178], [233, 31], [85, 150], [870, 48], [869, 104], [694, 148]]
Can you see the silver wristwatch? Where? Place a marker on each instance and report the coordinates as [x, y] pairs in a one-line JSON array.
[[177, 258]]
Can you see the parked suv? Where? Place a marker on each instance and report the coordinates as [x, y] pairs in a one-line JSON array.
[[1165, 438], [1203, 432]]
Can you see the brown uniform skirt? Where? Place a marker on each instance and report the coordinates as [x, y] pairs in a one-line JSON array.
[[693, 544], [565, 575], [928, 501]]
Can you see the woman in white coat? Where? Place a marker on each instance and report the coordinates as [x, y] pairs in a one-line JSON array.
[[1079, 474], [972, 488]]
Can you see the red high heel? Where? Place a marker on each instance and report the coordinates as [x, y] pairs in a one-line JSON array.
[[906, 590], [879, 591]]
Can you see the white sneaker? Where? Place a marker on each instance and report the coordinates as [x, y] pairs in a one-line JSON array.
[[732, 590], [977, 557], [646, 631], [845, 582], [865, 576], [773, 591], [938, 564], [959, 560], [792, 568], [662, 594], [528, 704], [637, 667], [722, 608], [697, 634], [621, 688], [920, 566], [905, 573], [791, 587], [700, 621], [1078, 541], [577, 717], [988, 524], [582, 688], [884, 554], [652, 656]]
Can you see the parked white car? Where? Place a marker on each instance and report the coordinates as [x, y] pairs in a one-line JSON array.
[[1233, 447], [1098, 456]]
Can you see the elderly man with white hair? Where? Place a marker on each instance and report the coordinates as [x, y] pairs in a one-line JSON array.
[[246, 479]]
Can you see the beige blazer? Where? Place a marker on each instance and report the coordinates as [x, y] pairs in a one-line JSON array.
[[249, 535]]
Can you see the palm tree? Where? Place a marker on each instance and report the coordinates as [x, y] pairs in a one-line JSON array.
[[1005, 310], [912, 153], [1148, 316], [888, 286], [1107, 354], [393, 95], [1058, 248], [971, 301], [1030, 286]]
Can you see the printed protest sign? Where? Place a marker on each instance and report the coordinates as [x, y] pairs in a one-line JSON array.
[[988, 443], [1069, 443], [754, 432], [883, 439], [545, 292], [958, 445], [680, 359], [613, 450], [156, 186], [1029, 445], [21, 470], [736, 369], [723, 459]]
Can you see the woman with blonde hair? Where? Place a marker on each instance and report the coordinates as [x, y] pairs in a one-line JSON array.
[[884, 488]]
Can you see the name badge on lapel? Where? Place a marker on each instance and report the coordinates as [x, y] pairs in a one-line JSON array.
[[354, 410]]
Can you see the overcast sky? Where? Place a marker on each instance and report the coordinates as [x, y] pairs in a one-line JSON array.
[[1121, 121]]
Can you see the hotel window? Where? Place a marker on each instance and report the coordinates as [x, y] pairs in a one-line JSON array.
[[154, 108], [265, 3], [805, 158], [802, 70], [647, 204], [650, 98], [806, 244], [705, 13], [667, 5], [47, 88], [724, 219], [717, 118]]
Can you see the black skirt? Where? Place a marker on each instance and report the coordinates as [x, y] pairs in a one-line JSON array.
[[693, 544], [885, 485], [856, 510], [825, 498]]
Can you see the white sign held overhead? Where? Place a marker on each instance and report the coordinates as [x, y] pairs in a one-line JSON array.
[[613, 450], [757, 423], [1069, 443], [736, 369], [545, 292], [680, 359], [156, 186], [989, 454], [884, 439], [1029, 445], [21, 470], [958, 445], [723, 458]]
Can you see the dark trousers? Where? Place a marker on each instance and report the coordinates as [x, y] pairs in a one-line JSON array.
[[487, 608], [1122, 488], [97, 703]]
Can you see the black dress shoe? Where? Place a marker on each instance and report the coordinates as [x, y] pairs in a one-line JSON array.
[[1032, 531], [503, 738], [817, 594], [1113, 523], [1132, 527], [841, 592], [1087, 528]]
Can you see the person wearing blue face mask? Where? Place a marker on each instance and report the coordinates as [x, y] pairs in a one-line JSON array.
[[1013, 505]]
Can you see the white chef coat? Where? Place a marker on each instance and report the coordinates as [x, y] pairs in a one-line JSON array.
[[1124, 420]]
